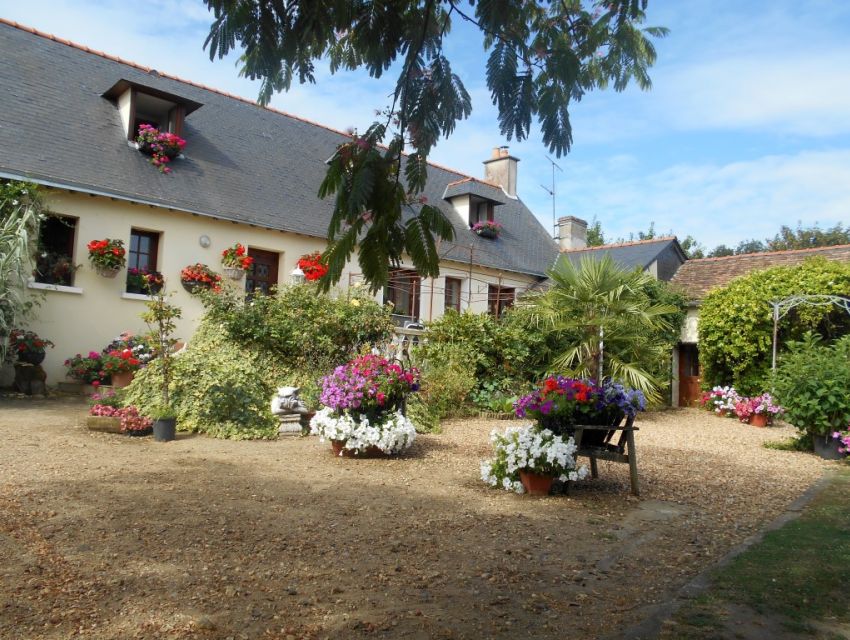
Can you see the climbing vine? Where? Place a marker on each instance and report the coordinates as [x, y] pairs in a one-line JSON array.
[[736, 321]]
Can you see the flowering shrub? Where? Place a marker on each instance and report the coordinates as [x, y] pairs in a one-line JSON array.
[[487, 226], [235, 258], [530, 448], [162, 146], [129, 416], [201, 276], [312, 266], [107, 398], [570, 401], [843, 438], [144, 281], [368, 384], [745, 408], [391, 433], [140, 347], [120, 361], [720, 399], [107, 254], [87, 369], [23, 342]]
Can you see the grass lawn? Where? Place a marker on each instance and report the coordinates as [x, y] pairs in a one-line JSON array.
[[794, 583]]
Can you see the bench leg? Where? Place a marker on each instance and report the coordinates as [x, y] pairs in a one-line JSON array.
[[633, 463], [594, 472]]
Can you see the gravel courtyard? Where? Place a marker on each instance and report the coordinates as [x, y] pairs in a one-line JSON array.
[[106, 536]]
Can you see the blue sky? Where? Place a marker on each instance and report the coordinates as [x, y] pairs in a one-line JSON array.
[[747, 127]]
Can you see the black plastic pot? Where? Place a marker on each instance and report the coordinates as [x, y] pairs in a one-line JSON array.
[[827, 448], [165, 429], [31, 357]]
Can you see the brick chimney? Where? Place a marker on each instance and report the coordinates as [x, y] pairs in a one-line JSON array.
[[572, 233], [501, 169]]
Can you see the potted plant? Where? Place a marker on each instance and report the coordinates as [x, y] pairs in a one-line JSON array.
[[86, 369], [28, 347], [120, 365], [162, 146], [363, 405], [312, 266], [841, 441], [162, 318], [198, 276], [561, 404], [107, 256], [235, 261], [721, 400], [764, 410], [54, 268], [487, 229], [105, 411], [529, 459], [144, 281]]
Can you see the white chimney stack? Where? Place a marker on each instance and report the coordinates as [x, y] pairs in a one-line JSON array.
[[572, 233], [501, 169]]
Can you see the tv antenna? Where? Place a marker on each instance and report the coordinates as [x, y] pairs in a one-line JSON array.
[[551, 192]]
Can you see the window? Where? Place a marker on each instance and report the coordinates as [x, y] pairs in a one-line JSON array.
[[499, 298], [55, 260], [453, 288], [144, 248], [403, 293], [481, 212]]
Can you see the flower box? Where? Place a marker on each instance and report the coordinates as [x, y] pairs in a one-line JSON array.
[[105, 424], [236, 261], [487, 229]]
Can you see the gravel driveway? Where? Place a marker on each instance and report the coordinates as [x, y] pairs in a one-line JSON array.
[[105, 536]]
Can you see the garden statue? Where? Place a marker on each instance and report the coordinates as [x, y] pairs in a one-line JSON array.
[[293, 413]]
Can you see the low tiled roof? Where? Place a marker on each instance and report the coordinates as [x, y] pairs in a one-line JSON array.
[[631, 255], [697, 277], [243, 162]]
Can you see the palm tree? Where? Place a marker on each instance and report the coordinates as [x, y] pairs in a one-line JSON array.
[[600, 322]]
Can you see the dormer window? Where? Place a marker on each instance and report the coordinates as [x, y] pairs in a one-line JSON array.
[[481, 211], [139, 104]]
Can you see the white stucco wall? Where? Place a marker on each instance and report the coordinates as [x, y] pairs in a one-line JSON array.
[[89, 315], [690, 327]]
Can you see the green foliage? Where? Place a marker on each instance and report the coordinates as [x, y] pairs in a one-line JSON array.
[[595, 235], [217, 386], [813, 385], [447, 375], [808, 237], [635, 314], [736, 321], [309, 332], [161, 317], [540, 58], [21, 211]]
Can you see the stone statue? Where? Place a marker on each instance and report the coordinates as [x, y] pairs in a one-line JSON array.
[[293, 413]]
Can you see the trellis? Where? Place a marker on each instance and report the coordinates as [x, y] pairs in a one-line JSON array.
[[781, 308]]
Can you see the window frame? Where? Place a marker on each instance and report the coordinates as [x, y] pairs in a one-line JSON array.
[[70, 222], [413, 279], [448, 304], [153, 255], [497, 299]]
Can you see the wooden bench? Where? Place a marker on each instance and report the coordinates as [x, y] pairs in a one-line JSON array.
[[620, 450]]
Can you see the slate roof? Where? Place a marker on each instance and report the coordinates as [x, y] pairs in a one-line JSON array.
[[697, 277], [631, 255], [475, 187], [243, 162]]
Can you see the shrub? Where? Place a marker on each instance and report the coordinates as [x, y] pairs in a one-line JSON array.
[[217, 386], [813, 385], [736, 322], [308, 331], [446, 379]]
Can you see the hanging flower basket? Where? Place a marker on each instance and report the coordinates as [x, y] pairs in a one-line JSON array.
[[487, 229], [198, 276], [235, 262], [161, 146], [107, 256], [312, 266]]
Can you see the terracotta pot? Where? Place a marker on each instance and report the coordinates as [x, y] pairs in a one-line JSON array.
[[122, 379], [339, 449], [758, 419], [536, 484]]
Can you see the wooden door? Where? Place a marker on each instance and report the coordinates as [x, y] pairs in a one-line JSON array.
[[263, 274], [689, 378]]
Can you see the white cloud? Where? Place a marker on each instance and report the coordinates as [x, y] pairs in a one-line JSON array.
[[716, 203]]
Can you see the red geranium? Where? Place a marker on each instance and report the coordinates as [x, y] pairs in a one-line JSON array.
[[234, 258], [107, 253], [312, 266]]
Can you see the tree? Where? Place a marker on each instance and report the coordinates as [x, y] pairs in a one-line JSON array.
[[808, 237], [541, 58], [721, 251], [692, 248], [600, 302], [21, 211], [750, 246], [595, 236]]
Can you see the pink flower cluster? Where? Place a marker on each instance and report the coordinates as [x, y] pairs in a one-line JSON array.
[[161, 145], [368, 383], [747, 407], [130, 418], [843, 438]]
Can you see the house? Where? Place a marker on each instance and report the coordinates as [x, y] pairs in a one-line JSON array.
[[68, 119], [695, 278], [660, 257]]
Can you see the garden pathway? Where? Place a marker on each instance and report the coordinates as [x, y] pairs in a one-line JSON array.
[[105, 536]]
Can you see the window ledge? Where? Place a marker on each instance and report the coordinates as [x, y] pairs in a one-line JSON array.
[[32, 284], [136, 296]]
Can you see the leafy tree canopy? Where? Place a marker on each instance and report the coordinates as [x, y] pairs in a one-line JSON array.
[[541, 58]]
